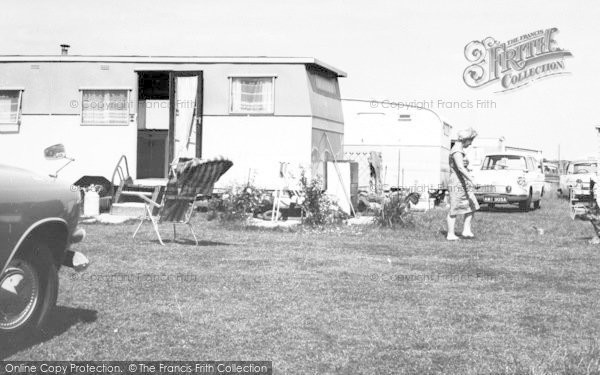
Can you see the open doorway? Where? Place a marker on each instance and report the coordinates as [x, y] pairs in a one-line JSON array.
[[153, 124], [169, 119]]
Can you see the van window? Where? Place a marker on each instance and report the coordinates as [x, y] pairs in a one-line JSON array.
[[504, 162], [105, 107], [586, 167]]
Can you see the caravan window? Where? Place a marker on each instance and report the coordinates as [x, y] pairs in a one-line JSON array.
[[324, 84], [105, 107], [252, 94], [10, 106]]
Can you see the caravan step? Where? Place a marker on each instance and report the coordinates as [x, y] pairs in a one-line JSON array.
[[131, 209]]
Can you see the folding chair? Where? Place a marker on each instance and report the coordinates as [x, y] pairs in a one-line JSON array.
[[189, 179]]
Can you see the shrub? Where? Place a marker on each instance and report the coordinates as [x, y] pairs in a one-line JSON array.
[[236, 204], [395, 210], [318, 209]]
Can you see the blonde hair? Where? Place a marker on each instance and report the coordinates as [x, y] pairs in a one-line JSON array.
[[465, 134]]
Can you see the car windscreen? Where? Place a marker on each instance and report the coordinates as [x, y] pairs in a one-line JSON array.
[[585, 168], [504, 162]]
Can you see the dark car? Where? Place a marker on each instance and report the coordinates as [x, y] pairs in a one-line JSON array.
[[38, 225]]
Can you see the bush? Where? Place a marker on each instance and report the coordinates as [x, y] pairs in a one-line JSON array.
[[236, 204], [395, 210], [317, 208]]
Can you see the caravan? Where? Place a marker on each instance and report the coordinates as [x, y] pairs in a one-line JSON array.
[[256, 111], [412, 144]]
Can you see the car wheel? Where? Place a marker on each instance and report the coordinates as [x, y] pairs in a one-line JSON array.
[[28, 290], [526, 204], [536, 204]]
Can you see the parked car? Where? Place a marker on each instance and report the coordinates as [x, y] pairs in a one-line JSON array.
[[38, 225], [552, 177], [579, 172], [507, 178]]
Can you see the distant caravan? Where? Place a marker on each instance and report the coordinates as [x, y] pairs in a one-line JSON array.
[[413, 143]]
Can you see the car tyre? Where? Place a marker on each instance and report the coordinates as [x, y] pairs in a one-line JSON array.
[[526, 204], [29, 291], [537, 204]]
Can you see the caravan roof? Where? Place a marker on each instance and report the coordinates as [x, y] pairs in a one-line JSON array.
[[380, 123], [174, 60]]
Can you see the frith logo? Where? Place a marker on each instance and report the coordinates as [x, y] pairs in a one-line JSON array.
[[515, 63]]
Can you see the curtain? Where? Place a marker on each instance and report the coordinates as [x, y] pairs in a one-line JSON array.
[[186, 92], [254, 95], [105, 107], [9, 107]]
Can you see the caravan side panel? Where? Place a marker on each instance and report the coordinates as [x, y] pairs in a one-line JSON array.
[[257, 146], [51, 113], [95, 149]]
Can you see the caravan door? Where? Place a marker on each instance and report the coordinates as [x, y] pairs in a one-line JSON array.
[[185, 128]]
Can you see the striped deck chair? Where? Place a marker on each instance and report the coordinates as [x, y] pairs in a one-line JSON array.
[[187, 180]]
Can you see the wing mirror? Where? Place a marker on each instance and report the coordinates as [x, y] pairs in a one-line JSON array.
[[55, 152]]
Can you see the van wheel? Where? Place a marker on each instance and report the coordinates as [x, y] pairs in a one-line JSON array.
[[526, 204], [28, 290]]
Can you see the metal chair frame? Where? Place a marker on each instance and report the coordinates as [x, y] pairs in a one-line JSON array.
[[170, 196], [156, 219]]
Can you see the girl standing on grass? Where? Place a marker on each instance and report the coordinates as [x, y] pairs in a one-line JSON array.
[[462, 197]]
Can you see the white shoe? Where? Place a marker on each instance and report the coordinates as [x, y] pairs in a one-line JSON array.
[[453, 237]]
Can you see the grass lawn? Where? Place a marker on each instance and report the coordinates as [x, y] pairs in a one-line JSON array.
[[349, 300]]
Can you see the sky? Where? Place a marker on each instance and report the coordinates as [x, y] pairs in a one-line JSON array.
[[400, 51]]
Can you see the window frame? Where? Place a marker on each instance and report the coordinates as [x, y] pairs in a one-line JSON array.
[[20, 90], [590, 165], [128, 91], [529, 163], [273, 77], [315, 75]]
